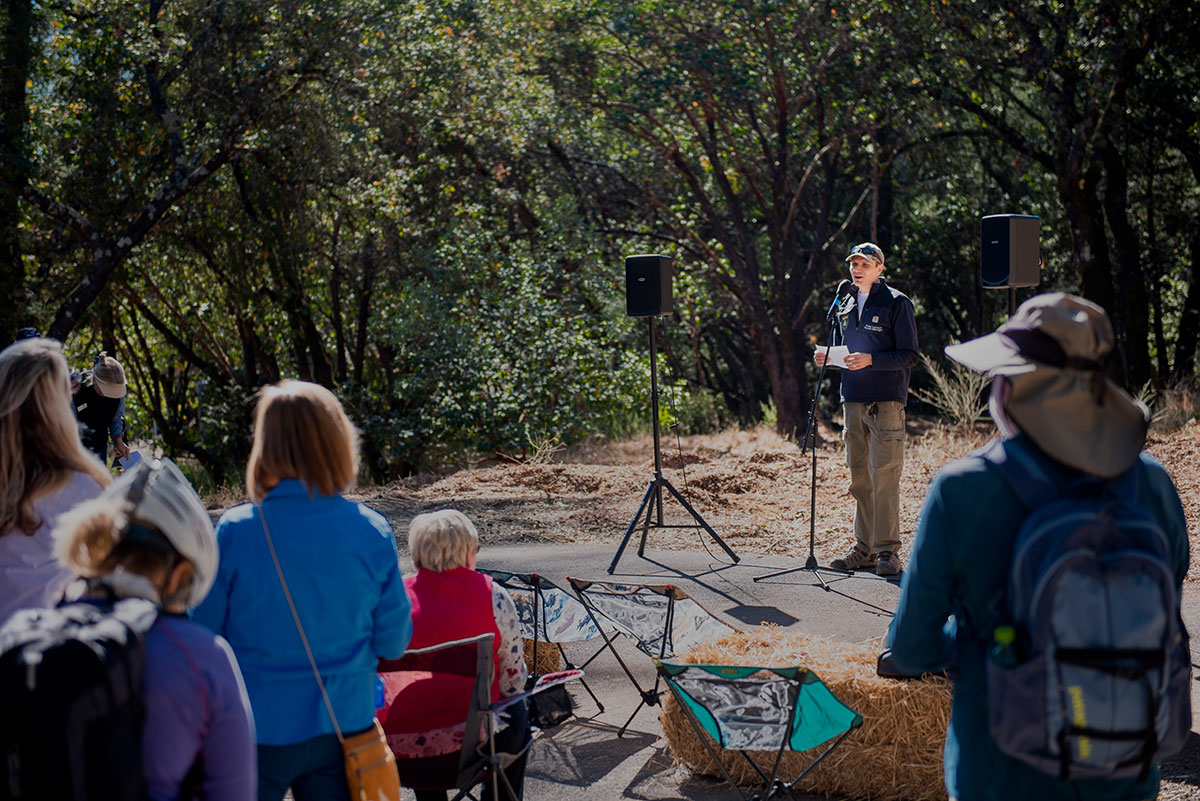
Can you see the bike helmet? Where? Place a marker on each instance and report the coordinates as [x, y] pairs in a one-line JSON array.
[[158, 496]]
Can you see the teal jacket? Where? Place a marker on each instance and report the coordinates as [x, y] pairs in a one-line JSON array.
[[339, 558], [959, 564]]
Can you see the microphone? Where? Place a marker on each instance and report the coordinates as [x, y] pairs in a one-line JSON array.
[[845, 290]]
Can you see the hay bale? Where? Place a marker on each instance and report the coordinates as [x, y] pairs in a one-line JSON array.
[[548, 658], [895, 756]]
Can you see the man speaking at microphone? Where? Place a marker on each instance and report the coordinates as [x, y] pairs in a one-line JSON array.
[[880, 331]]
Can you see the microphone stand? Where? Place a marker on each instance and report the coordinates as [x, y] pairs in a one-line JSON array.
[[834, 317]]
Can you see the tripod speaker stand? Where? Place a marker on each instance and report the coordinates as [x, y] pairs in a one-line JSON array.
[[652, 501]]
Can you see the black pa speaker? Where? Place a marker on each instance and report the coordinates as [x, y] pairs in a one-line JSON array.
[[648, 286], [1009, 255]]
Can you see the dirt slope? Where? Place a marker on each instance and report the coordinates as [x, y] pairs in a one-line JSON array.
[[751, 486]]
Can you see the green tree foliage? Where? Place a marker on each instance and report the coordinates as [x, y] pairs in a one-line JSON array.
[[425, 206], [747, 143], [1053, 83]]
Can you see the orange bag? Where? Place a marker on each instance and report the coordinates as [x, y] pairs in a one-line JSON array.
[[371, 766]]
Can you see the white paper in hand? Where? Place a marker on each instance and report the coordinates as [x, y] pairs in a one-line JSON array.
[[837, 355], [132, 459]]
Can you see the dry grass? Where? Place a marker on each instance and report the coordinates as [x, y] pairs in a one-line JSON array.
[[1174, 406], [548, 658], [752, 486], [895, 756]]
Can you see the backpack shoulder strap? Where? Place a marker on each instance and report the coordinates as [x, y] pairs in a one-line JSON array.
[[1035, 485], [1028, 479]]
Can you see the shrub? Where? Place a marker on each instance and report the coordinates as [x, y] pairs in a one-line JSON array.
[[956, 394], [1173, 406]]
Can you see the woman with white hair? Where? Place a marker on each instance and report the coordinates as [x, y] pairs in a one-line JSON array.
[[44, 471], [451, 601], [148, 536]]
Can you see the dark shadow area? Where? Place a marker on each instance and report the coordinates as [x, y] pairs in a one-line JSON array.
[[661, 778], [757, 615], [826, 579], [582, 752], [1184, 767], [711, 571]]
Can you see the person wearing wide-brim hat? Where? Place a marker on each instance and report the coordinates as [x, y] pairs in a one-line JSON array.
[[99, 402], [1051, 356], [1056, 409]]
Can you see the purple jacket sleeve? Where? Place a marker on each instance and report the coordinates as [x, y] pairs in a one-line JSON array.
[[230, 770], [196, 707]]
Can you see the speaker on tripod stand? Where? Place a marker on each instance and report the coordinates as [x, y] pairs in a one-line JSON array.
[[648, 280]]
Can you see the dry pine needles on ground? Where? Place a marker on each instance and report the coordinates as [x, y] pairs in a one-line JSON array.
[[895, 756]]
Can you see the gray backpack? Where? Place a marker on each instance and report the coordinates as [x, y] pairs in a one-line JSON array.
[[1096, 681]]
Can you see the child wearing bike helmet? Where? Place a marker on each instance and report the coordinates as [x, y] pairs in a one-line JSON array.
[[149, 536]]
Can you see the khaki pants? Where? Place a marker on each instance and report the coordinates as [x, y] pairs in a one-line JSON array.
[[874, 437]]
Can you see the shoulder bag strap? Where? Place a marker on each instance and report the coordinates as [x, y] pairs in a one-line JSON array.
[[262, 515]]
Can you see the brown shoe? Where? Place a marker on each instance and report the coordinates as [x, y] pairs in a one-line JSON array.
[[888, 564], [854, 560]]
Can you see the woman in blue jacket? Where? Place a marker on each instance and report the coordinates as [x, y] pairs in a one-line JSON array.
[[340, 562]]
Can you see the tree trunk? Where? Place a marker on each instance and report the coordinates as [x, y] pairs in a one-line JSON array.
[[1132, 313], [370, 265], [1090, 249], [785, 374], [16, 53], [1189, 319]]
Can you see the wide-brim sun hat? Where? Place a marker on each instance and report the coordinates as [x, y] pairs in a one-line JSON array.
[[156, 494], [1053, 352]]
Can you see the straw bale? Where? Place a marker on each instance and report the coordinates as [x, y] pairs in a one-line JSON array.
[[896, 755], [548, 658]]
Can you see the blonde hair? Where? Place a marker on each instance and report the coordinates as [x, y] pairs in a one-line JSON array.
[[40, 447], [302, 432], [442, 540]]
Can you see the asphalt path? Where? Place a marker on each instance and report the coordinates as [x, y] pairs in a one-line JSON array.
[[584, 759]]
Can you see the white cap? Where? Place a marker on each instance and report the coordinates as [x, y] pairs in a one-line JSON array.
[[157, 495]]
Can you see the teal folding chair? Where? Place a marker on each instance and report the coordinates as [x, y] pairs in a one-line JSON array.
[[746, 708]]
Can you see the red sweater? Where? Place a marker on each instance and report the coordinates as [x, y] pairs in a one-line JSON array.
[[445, 606]]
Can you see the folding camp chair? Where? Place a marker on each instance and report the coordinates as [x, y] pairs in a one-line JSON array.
[[661, 620], [464, 669], [548, 616], [759, 709]]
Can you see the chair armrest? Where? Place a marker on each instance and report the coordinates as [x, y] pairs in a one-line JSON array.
[[545, 682]]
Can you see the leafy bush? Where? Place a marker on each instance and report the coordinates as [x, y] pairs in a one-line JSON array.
[[770, 415], [698, 411]]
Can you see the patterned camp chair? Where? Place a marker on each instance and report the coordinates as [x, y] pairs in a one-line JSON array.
[[661, 620], [744, 708], [548, 616], [464, 670]]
